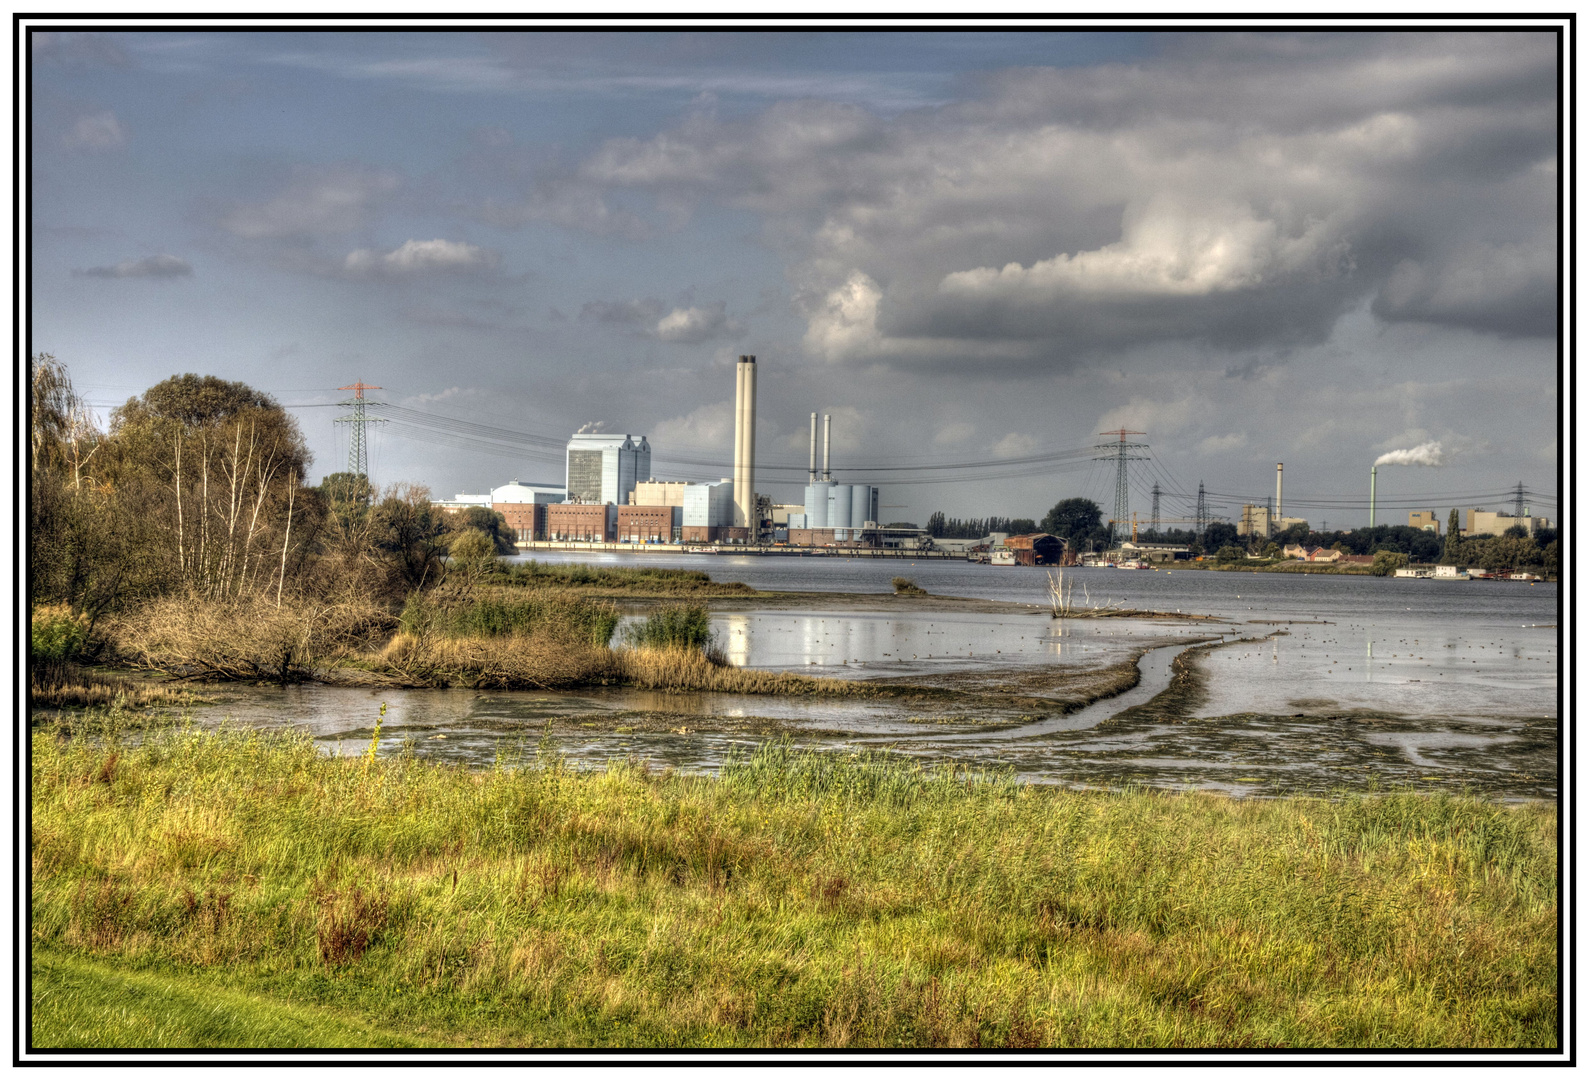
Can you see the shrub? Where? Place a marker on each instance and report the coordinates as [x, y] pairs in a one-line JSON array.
[[1386, 561], [903, 586], [678, 626], [57, 635]]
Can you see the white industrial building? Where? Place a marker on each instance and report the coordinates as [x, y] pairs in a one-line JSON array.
[[708, 505], [1485, 523], [516, 492], [605, 468]]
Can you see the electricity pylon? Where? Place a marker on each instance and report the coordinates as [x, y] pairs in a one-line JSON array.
[[1121, 453]]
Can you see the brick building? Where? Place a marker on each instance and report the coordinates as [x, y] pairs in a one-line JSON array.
[[581, 521], [651, 524]]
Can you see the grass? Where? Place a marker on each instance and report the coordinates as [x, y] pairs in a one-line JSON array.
[[243, 889], [904, 586], [678, 626], [562, 615], [620, 580]]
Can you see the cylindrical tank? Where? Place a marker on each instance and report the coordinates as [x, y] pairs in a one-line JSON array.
[[817, 505], [839, 506], [860, 505]]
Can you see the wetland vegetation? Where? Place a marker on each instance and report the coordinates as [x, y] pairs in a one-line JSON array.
[[243, 889]]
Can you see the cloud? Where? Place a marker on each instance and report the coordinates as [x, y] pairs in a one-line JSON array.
[[77, 50], [620, 312], [315, 201], [1014, 444], [158, 267], [1241, 192], [415, 257], [708, 427], [952, 434], [1423, 454], [1222, 444], [96, 132], [694, 325]]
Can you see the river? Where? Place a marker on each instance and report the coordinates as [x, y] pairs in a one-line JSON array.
[[1331, 681]]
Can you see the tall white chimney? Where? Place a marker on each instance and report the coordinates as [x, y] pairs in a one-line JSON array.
[[827, 444], [813, 472], [1279, 477], [745, 445]]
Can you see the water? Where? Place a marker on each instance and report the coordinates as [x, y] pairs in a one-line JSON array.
[[1344, 681]]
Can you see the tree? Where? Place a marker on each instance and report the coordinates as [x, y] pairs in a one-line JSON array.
[[1073, 519], [936, 523], [1218, 535], [1230, 553], [483, 519], [1387, 561], [217, 468], [1449, 553], [472, 554], [406, 534]]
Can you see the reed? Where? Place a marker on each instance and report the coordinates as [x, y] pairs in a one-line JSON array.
[[238, 888]]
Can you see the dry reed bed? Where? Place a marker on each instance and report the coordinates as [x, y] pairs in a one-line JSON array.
[[801, 900]]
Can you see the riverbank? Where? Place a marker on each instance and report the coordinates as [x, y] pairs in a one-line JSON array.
[[243, 890]]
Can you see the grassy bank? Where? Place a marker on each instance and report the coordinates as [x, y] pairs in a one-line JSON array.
[[243, 890]]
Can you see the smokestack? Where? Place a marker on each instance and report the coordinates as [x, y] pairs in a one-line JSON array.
[[827, 444], [1373, 478], [745, 445], [1279, 486], [813, 471]]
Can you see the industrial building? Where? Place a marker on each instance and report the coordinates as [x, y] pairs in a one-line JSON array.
[[1426, 520], [833, 513], [1258, 520], [523, 507], [581, 521], [1485, 523], [606, 468], [654, 492], [649, 524]]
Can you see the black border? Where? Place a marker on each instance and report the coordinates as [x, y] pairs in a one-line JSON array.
[[1566, 336]]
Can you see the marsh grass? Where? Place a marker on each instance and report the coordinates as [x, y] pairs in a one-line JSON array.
[[803, 899], [562, 615], [677, 626], [626, 580]]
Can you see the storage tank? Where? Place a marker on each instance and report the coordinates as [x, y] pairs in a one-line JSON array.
[[839, 506], [817, 505], [863, 505]]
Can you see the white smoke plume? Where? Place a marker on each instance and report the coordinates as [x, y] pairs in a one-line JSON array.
[[596, 427], [1423, 454]]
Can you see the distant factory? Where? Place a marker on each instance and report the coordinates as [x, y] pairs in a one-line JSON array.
[[610, 495]]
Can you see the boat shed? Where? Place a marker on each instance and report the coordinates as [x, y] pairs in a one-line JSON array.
[[1036, 549]]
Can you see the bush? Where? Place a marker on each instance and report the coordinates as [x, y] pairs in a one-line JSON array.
[[903, 586], [57, 635], [1230, 553], [680, 626], [1387, 561]]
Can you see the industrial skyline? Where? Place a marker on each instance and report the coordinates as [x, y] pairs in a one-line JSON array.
[[976, 251]]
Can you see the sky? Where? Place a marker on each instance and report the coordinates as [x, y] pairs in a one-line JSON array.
[[972, 249]]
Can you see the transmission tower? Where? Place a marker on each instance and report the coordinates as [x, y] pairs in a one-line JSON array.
[[1202, 512], [1517, 506], [358, 453], [1155, 506], [1120, 453]]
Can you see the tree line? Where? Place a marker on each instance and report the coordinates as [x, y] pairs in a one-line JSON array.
[[200, 487], [1080, 522]]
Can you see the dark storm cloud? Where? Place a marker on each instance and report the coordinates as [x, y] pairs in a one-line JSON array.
[[159, 267], [1240, 191]]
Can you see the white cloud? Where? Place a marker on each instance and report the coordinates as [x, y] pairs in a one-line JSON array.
[[315, 201], [1015, 444], [423, 257], [708, 427], [1222, 444], [99, 131], [154, 266], [693, 325]]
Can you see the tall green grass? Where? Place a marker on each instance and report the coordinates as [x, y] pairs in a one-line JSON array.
[[677, 626], [562, 616], [803, 899]]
